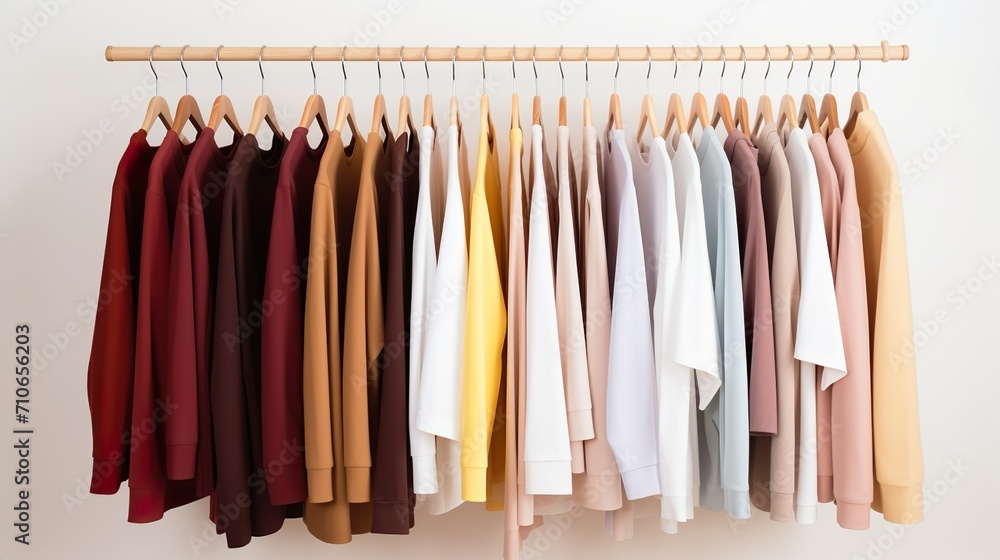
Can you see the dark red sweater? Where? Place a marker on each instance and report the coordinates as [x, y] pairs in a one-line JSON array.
[[112, 353], [150, 493]]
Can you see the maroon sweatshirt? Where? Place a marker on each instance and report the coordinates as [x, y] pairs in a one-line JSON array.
[[283, 312], [392, 478], [193, 265], [150, 493], [243, 507], [112, 353]]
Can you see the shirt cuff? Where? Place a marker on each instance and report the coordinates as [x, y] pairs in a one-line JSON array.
[[359, 485], [181, 460], [320, 485], [551, 478], [642, 482]]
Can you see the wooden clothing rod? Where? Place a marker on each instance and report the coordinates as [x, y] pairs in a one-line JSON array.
[[883, 52]]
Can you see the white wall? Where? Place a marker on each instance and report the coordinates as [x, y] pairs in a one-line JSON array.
[[937, 108]]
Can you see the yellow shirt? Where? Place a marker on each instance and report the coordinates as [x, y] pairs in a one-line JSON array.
[[899, 468], [486, 320]]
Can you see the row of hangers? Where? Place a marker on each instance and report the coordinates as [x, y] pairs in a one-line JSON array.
[[732, 117]]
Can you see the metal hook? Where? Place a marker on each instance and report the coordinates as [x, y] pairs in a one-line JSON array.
[[649, 68], [454, 55], [534, 67], [312, 65], [701, 66], [833, 55], [618, 64], [858, 52], [260, 65], [484, 68], [156, 77], [586, 72], [767, 51], [401, 70], [222, 81], [723, 73], [673, 49], [791, 56], [187, 89], [561, 74], [427, 71], [378, 66], [743, 53], [810, 72], [343, 68], [513, 69]]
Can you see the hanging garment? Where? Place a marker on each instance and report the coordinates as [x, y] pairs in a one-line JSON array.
[[243, 508], [191, 450], [649, 195], [774, 460], [631, 369], [547, 456], [728, 487], [439, 401], [327, 511], [152, 490], [485, 326], [282, 322], [899, 469], [599, 487], [850, 445], [426, 223], [569, 307], [392, 485], [111, 371], [762, 389], [698, 340]]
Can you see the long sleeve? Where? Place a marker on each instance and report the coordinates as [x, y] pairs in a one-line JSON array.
[[547, 458], [631, 369]]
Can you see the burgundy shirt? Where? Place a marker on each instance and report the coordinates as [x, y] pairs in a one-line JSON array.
[[392, 478], [243, 508], [150, 492], [763, 393], [282, 328], [112, 353]]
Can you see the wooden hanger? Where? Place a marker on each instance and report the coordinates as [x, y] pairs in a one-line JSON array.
[[647, 110], [428, 100], [536, 101], [263, 108], [562, 98], [380, 119], [859, 102], [765, 112], [615, 105], [675, 108], [454, 115], [786, 107], [515, 105], [741, 114], [699, 107], [158, 109], [222, 108], [315, 109], [807, 111], [723, 109], [405, 122], [187, 106], [345, 107]]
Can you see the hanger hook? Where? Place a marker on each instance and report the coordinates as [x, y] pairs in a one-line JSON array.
[[649, 66], [401, 70], [743, 54], [534, 67], [810, 72], [833, 55], [187, 89], [701, 66], [378, 66], [222, 81], [791, 56], [312, 65], [767, 51], [722, 74], [586, 71], [454, 56], [857, 51], [618, 64], [561, 74], [343, 67], [260, 65], [513, 69], [484, 68], [673, 49], [427, 71], [156, 77]]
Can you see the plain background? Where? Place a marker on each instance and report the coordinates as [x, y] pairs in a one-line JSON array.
[[937, 110]]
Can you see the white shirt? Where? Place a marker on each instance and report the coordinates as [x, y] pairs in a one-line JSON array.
[[440, 386], [547, 458], [726, 475], [631, 369], [818, 340]]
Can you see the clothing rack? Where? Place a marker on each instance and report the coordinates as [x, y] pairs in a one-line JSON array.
[[884, 52]]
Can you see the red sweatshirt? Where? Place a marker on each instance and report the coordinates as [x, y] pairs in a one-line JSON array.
[[112, 354]]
